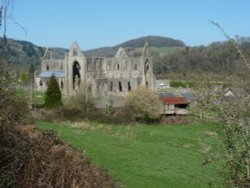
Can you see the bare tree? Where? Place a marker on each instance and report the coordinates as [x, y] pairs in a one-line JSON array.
[[232, 112]]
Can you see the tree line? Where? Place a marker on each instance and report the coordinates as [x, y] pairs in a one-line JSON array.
[[219, 58]]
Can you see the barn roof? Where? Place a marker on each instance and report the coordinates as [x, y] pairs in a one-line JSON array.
[[48, 74], [174, 100]]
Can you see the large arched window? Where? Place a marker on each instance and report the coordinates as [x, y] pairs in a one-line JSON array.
[[76, 74], [146, 66]]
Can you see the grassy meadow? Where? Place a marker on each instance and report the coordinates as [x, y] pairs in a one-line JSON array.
[[37, 96], [164, 50], [147, 156]]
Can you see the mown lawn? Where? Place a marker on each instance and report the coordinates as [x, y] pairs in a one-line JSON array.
[[149, 156]]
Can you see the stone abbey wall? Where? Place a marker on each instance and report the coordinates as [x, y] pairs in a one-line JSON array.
[[105, 76]]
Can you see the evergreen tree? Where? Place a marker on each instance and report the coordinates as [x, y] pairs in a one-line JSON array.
[[53, 96], [31, 73], [24, 78]]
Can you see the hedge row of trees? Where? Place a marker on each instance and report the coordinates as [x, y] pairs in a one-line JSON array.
[[217, 58], [142, 104]]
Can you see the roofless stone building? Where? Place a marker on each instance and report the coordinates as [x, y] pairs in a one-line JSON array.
[[104, 76]]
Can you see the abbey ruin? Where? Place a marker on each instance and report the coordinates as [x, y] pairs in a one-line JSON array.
[[103, 76]]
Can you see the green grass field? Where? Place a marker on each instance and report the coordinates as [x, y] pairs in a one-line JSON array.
[[37, 98], [148, 155]]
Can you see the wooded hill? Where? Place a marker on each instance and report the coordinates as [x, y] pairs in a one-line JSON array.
[[220, 58], [170, 56], [132, 45], [20, 54]]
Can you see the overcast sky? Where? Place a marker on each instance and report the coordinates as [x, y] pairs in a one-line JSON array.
[[99, 23]]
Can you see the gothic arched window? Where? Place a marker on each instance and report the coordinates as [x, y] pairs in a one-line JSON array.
[[146, 66]]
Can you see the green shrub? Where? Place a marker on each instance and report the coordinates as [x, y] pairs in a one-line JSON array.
[[143, 104], [53, 96]]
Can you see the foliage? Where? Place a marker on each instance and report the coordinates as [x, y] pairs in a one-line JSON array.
[[7, 77], [79, 106], [155, 41], [83, 98], [217, 58], [178, 83], [30, 158], [37, 99], [19, 55], [234, 117], [31, 73], [145, 156], [232, 114], [13, 109], [53, 96], [24, 78], [29, 50], [144, 104]]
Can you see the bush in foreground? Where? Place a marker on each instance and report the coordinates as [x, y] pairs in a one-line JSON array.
[[12, 109], [34, 159], [30, 158]]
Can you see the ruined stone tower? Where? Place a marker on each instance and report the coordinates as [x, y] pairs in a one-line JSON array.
[[105, 76]]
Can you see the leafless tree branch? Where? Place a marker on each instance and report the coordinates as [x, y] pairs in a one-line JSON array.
[[232, 41]]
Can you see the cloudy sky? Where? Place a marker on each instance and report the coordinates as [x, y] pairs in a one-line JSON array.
[[98, 23]]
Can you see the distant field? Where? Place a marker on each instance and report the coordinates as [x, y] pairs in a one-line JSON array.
[[147, 156], [164, 50], [191, 83]]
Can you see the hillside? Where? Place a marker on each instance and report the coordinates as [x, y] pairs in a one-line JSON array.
[[155, 41], [170, 56], [218, 58], [20, 54], [134, 44]]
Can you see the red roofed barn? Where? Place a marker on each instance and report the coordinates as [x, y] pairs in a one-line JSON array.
[[175, 105]]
